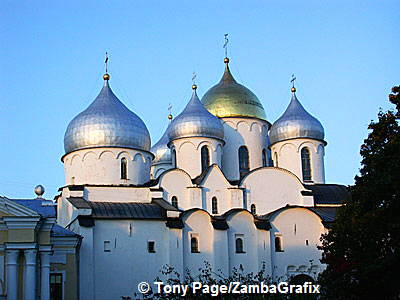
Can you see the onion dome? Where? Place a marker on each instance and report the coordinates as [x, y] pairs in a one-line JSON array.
[[195, 121], [107, 122], [231, 99], [296, 122], [162, 154]]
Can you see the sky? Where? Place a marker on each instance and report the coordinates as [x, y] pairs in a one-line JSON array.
[[343, 53]]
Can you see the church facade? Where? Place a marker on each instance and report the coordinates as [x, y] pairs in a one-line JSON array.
[[222, 185]]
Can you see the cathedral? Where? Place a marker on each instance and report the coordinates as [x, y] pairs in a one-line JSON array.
[[223, 185]]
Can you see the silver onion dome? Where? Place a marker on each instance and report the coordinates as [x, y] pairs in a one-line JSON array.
[[195, 121], [107, 122], [296, 122], [162, 154]]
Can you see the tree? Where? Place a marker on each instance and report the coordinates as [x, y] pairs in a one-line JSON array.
[[362, 250]]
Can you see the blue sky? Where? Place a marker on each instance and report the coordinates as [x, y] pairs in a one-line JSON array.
[[344, 54]]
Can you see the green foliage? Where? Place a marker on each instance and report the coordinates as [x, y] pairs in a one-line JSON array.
[[207, 276], [362, 251]]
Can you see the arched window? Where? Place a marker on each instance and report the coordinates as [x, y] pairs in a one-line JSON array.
[[214, 205], [264, 158], [239, 245], [174, 158], [194, 245], [305, 164], [276, 159], [253, 209], [124, 168], [205, 158], [278, 244], [174, 201], [243, 161]]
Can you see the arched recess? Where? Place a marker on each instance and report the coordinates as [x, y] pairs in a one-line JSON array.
[[309, 144], [243, 127], [89, 155], [287, 147], [139, 157], [186, 144], [124, 153], [105, 152], [75, 158], [256, 127]]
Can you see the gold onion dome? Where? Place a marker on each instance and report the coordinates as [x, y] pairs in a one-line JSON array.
[[231, 99], [195, 121], [107, 122]]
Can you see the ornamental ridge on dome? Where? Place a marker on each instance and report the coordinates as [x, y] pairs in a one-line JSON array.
[[195, 121], [228, 98], [296, 122], [107, 122]]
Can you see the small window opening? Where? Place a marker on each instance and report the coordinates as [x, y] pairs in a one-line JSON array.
[[306, 164], [124, 168], [107, 246], [239, 245], [253, 209], [174, 201], [278, 244], [194, 245], [214, 205], [151, 246], [205, 158]]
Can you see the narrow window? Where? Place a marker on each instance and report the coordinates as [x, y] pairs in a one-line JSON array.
[[174, 201], [243, 161], [174, 158], [151, 246], [253, 209], [124, 168], [305, 164], [306, 242], [107, 246], [276, 159], [205, 158], [194, 245], [56, 286], [239, 245], [264, 158], [278, 244], [214, 205]]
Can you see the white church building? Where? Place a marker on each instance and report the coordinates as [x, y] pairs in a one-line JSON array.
[[222, 185]]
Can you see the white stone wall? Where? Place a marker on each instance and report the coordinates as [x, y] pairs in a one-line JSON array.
[[116, 272], [103, 166], [177, 183], [188, 153], [241, 225], [296, 226], [287, 155], [272, 188], [249, 132]]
